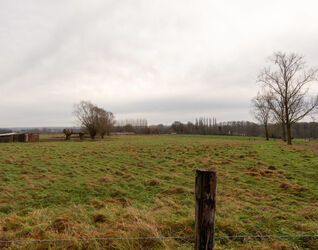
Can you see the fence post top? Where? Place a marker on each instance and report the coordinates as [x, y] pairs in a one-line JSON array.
[[206, 171]]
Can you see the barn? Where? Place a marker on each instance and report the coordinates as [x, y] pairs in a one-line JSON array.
[[19, 137]]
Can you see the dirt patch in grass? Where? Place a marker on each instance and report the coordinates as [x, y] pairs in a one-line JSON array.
[[95, 202], [310, 213], [290, 186], [106, 179], [99, 218], [176, 190], [265, 172], [153, 182]]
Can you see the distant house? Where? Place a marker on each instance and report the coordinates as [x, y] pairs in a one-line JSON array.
[[19, 137]]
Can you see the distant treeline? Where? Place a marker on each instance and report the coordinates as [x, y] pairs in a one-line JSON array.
[[245, 128], [201, 126], [209, 126], [138, 126]]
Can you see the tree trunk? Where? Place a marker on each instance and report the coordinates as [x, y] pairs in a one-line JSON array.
[[288, 127], [81, 135], [283, 132], [266, 132], [92, 134]]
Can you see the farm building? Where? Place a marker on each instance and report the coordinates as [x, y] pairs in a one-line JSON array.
[[19, 137]]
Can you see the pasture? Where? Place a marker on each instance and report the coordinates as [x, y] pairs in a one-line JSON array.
[[136, 186]]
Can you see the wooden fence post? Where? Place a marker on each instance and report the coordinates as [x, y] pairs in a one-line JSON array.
[[205, 199]]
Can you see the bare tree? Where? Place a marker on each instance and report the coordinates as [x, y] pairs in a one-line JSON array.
[[105, 122], [288, 79], [87, 115], [276, 105], [261, 111]]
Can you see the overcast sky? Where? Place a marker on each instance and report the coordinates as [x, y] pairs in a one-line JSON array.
[[161, 60]]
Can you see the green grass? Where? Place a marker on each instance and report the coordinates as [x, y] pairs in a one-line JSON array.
[[131, 186]]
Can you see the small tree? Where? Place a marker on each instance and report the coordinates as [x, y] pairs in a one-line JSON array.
[[87, 115], [68, 133], [261, 111], [287, 79], [105, 122]]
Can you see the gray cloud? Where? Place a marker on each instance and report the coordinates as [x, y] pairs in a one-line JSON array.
[[160, 60]]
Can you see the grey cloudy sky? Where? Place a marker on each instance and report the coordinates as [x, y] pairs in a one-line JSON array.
[[155, 59]]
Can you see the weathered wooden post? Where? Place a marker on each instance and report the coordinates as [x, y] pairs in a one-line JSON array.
[[205, 199]]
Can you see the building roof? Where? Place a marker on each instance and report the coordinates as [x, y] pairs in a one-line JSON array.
[[7, 134]]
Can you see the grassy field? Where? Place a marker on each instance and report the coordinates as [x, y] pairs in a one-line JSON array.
[[135, 186]]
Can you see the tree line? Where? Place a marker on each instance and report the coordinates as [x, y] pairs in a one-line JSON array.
[[237, 128], [138, 126], [245, 128], [210, 126]]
